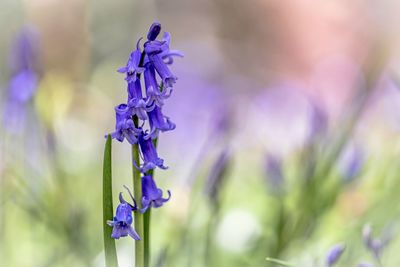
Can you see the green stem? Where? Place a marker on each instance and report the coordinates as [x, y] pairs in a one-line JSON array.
[[137, 192], [146, 222], [146, 219]]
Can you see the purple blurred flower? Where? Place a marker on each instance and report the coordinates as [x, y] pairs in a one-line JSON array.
[[274, 174], [334, 254], [375, 245], [318, 122], [365, 265], [217, 175], [149, 153], [25, 78], [23, 86], [351, 162], [122, 221], [152, 195], [25, 50]]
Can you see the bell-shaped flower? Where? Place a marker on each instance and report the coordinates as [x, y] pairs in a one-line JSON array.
[[132, 66], [124, 126], [122, 221], [158, 122], [155, 93], [152, 195], [149, 155]]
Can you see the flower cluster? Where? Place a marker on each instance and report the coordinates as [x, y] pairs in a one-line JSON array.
[[140, 119]]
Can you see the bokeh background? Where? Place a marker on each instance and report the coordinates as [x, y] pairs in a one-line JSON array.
[[287, 138]]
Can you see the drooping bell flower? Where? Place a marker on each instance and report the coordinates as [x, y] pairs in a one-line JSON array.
[[137, 105], [132, 66], [150, 157], [155, 93], [124, 126], [152, 195], [122, 221], [158, 122]]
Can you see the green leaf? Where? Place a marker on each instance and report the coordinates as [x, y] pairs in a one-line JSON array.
[[279, 262], [109, 243]]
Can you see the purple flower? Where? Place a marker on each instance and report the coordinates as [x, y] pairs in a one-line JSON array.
[[132, 66], [155, 94], [334, 254], [351, 162], [365, 265], [150, 157], [24, 80], [375, 245], [122, 221], [274, 174], [23, 86], [158, 122], [124, 127], [152, 195], [25, 50]]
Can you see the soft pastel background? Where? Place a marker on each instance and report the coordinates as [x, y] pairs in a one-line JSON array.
[[302, 91]]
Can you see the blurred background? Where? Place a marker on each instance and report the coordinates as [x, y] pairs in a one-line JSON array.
[[286, 143]]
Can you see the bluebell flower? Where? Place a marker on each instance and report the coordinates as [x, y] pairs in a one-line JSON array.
[[152, 195], [125, 127], [122, 221], [155, 94], [137, 105], [334, 254], [158, 122], [149, 154], [132, 66]]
